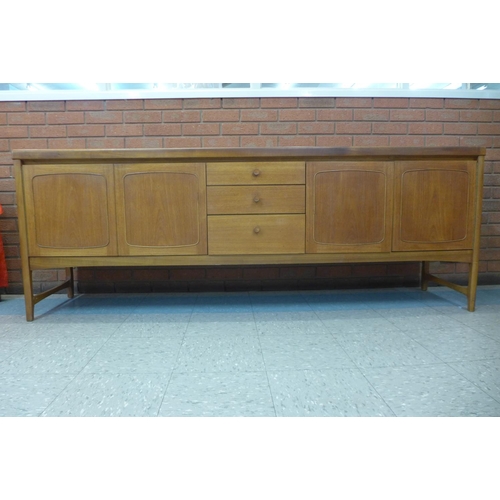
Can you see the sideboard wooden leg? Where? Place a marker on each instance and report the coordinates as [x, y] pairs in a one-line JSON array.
[[472, 286], [71, 285], [29, 301], [424, 280]]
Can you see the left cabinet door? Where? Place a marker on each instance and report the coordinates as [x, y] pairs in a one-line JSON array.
[[70, 210], [161, 208]]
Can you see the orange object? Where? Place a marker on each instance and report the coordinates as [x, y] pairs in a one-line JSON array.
[[3, 265]]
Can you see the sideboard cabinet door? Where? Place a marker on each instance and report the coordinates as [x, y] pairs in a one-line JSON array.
[[161, 208], [434, 205], [70, 210], [349, 206]]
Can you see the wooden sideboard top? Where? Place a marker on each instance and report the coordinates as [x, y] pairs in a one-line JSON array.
[[242, 154]]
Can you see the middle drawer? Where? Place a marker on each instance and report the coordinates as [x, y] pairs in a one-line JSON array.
[[256, 200]]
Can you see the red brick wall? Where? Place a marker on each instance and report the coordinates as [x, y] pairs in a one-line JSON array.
[[265, 122]]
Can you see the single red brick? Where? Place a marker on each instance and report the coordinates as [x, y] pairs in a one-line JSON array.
[[297, 272], [294, 140], [66, 117], [4, 145], [182, 142], [46, 106], [278, 128], [104, 117], [189, 273], [5, 158], [421, 102], [12, 106], [162, 129], [143, 142], [407, 115], [28, 143], [182, 116], [460, 128], [85, 130], [221, 115], [122, 105], [220, 142], [278, 102], [13, 131], [202, 103], [371, 140], [5, 171], [334, 114], [334, 141], [371, 114], [240, 128], [240, 103], [336, 271], [163, 104], [105, 142], [224, 273], [442, 141], [425, 128], [26, 118], [390, 128], [353, 128], [159, 274], [47, 130], [121, 130], [200, 129], [316, 102], [354, 102], [390, 102], [442, 115], [84, 105], [7, 185], [404, 141], [462, 103], [316, 128], [291, 115], [260, 273], [488, 129], [67, 143], [259, 142], [142, 116], [259, 115], [482, 142], [476, 116], [489, 104]]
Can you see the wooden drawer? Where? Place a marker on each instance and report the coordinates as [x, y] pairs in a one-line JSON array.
[[256, 234], [241, 173], [256, 199]]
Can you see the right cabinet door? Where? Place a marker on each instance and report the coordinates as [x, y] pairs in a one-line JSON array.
[[349, 206], [434, 205]]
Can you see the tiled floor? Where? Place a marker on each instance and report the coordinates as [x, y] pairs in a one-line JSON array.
[[398, 352]]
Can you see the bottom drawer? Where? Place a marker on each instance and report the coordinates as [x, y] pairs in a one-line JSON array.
[[256, 234]]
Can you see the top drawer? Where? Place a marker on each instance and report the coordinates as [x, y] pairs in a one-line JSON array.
[[242, 173]]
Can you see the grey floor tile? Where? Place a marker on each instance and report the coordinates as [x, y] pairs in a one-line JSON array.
[[110, 395], [136, 355], [220, 353], [154, 325], [485, 374], [431, 391], [10, 345], [457, 345], [358, 321], [325, 393], [235, 394], [58, 355], [384, 349], [271, 323], [303, 352], [29, 395], [424, 318], [222, 327]]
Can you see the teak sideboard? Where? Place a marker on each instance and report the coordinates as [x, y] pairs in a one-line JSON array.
[[244, 206]]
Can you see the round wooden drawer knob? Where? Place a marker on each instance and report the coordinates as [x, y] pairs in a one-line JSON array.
[[256, 199], [256, 172], [256, 230]]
